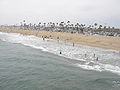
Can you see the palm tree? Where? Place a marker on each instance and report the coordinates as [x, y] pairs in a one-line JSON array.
[[95, 25], [56, 25], [100, 26], [48, 24], [61, 25], [104, 27], [68, 24], [34, 26], [24, 21], [82, 28], [39, 23], [113, 27], [53, 25], [72, 26], [77, 26], [24, 24], [44, 24]]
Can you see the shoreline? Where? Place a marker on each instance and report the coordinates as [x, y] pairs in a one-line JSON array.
[[105, 42], [90, 58]]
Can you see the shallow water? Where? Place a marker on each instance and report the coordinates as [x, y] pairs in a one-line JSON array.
[[26, 68], [108, 60]]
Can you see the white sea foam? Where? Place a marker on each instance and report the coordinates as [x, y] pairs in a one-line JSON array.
[[108, 60], [101, 67]]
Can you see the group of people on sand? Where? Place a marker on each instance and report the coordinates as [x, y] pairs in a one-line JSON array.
[[43, 37]]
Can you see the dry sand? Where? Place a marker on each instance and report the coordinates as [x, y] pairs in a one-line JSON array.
[[106, 42]]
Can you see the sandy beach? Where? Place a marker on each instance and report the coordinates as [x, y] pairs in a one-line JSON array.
[[106, 42]]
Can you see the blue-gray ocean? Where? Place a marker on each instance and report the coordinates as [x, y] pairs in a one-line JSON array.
[[25, 68]]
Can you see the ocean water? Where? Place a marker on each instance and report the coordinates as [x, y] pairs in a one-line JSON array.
[[30, 63]]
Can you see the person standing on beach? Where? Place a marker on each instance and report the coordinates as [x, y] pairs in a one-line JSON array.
[[43, 38], [73, 44], [58, 39]]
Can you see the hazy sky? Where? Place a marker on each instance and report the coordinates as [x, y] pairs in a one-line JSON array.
[[106, 12]]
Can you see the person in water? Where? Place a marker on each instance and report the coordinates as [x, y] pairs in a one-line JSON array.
[[85, 55], [97, 59], [94, 56], [60, 52]]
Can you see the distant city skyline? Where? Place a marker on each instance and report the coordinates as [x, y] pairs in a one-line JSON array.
[[105, 12]]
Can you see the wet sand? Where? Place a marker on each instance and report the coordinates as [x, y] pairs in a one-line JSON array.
[[106, 42]]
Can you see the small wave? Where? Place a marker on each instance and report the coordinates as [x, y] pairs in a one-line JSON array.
[[88, 67], [43, 49], [100, 67]]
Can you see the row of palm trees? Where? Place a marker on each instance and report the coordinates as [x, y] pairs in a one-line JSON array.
[[64, 25], [80, 28]]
